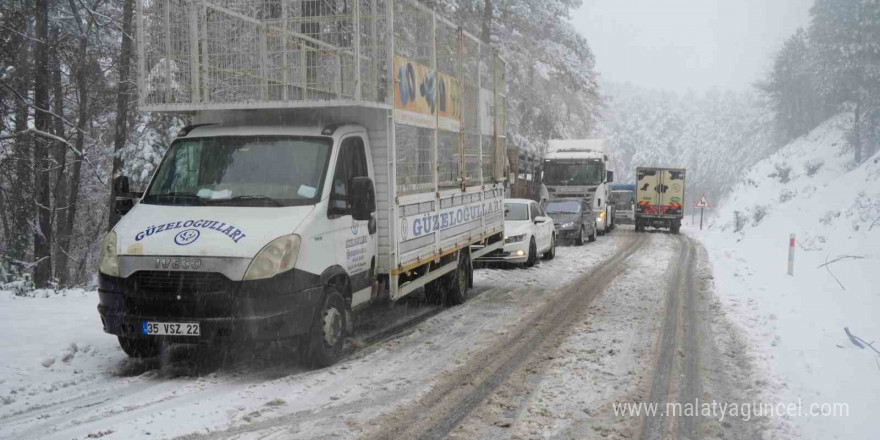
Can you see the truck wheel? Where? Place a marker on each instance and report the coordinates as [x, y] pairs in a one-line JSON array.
[[533, 254], [327, 335], [675, 229], [551, 254], [592, 237], [579, 240], [456, 292], [434, 292], [140, 347]]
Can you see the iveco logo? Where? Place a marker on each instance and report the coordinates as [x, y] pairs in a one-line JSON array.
[[179, 263]]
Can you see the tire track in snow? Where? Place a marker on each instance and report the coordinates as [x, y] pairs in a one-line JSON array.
[[438, 412]]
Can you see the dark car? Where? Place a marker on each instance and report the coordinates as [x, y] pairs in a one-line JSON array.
[[573, 218]]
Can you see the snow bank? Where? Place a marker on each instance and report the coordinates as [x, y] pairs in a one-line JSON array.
[[796, 323]]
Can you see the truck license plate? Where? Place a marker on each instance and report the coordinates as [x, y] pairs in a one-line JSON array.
[[171, 329]]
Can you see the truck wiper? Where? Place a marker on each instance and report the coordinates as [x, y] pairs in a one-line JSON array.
[[251, 197], [174, 195]]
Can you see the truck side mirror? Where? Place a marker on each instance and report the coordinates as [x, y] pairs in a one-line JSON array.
[[124, 197], [121, 185], [363, 198], [610, 176]]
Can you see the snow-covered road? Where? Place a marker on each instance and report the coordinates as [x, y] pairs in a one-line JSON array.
[[61, 377], [534, 353]]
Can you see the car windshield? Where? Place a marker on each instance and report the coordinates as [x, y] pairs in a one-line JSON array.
[[573, 173], [269, 171], [563, 207], [516, 211]]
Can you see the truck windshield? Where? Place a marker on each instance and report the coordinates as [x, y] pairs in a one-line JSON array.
[[624, 199], [573, 173], [563, 207], [266, 171]]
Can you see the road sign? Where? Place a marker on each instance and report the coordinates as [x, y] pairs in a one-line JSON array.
[[703, 203]]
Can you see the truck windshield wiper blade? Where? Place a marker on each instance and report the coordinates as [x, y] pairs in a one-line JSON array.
[[173, 195], [251, 197]]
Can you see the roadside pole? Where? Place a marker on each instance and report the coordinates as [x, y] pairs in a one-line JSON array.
[[791, 241], [702, 204]]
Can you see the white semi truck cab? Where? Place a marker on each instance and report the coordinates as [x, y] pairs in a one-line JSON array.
[[579, 168], [309, 185]]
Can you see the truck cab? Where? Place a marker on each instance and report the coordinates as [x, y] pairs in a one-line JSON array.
[[259, 233], [578, 168]]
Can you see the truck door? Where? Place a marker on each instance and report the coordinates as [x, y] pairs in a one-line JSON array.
[[672, 194], [354, 242], [648, 197]]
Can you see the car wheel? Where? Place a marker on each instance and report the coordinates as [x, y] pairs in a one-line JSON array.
[[533, 254], [579, 240], [140, 348], [551, 254], [327, 335], [458, 283], [593, 235]]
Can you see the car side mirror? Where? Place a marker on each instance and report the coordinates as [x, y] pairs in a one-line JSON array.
[[363, 198], [540, 219]]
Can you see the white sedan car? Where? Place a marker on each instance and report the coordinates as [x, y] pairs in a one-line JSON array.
[[528, 232]]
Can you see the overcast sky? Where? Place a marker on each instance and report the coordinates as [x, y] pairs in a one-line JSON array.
[[688, 44]]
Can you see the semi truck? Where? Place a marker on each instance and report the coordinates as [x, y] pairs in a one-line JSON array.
[[660, 198], [579, 168], [337, 157], [623, 196]]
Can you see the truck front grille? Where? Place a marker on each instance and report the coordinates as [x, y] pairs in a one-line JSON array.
[[173, 283], [179, 295]]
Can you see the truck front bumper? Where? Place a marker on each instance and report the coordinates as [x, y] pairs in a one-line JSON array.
[[265, 310]]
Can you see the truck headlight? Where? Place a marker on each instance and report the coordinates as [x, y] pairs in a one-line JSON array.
[[108, 260], [276, 257], [514, 239], [601, 216]]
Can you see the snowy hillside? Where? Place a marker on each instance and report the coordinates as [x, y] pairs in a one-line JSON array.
[[796, 324]]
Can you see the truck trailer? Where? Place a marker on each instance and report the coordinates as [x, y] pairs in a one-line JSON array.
[[337, 156], [660, 198], [579, 168]]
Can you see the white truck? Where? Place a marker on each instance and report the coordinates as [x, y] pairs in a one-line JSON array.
[[337, 156], [579, 168]]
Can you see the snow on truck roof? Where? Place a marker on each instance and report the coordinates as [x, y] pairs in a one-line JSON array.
[[577, 145]]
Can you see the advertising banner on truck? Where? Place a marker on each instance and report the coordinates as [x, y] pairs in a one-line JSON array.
[[424, 98]]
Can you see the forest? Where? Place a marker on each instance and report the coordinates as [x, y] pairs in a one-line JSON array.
[[69, 122]]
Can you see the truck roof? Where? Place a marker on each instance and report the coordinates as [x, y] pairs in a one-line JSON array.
[[269, 130], [560, 145], [577, 149]]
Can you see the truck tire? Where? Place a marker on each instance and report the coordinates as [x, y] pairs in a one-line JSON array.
[[579, 240], [551, 254], [327, 335], [675, 229], [533, 254], [457, 287], [435, 292], [140, 348]]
